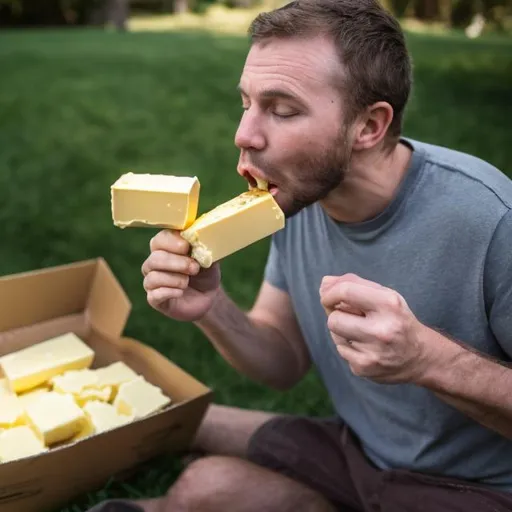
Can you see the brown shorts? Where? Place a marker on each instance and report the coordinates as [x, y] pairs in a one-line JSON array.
[[325, 456]]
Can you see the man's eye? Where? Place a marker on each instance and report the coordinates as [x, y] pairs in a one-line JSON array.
[[284, 113]]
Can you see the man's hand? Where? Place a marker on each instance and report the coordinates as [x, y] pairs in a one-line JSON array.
[[374, 329], [175, 284], [376, 332]]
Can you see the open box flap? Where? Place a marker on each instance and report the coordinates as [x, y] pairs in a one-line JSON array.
[[87, 287], [36, 296], [108, 306]]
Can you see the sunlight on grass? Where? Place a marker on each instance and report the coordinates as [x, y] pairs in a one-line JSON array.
[[220, 19], [216, 18]]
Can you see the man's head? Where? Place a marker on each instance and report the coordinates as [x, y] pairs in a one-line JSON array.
[[323, 79]]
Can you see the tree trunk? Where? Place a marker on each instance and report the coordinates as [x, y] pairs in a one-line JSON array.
[[117, 13], [445, 11], [180, 6], [427, 9]]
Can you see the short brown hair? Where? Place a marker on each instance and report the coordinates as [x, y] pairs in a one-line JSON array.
[[369, 42]]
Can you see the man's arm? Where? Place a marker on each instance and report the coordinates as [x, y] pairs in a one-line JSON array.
[[265, 344], [475, 384], [377, 334]]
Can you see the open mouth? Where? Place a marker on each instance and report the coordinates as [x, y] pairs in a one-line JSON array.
[[255, 182]]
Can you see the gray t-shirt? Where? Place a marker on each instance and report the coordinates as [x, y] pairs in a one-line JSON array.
[[445, 244]]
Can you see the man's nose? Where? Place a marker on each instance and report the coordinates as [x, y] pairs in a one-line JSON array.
[[249, 134]]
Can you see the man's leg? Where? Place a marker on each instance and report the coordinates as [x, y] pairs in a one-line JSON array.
[[219, 484]]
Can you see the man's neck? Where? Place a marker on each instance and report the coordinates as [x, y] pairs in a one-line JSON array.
[[369, 186]]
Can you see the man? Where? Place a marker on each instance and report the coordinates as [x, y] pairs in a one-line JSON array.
[[393, 276]]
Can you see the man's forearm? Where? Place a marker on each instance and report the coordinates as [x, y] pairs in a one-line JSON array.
[[475, 384], [255, 349]]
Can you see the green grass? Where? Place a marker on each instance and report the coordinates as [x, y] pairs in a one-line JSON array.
[[77, 109]]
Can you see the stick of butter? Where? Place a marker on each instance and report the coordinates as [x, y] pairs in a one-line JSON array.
[[104, 416], [113, 375], [154, 200], [233, 225], [32, 395], [139, 398], [12, 412], [89, 394], [74, 381], [56, 417], [19, 442], [35, 365]]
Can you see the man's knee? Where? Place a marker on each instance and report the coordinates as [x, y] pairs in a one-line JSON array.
[[216, 483], [201, 481]]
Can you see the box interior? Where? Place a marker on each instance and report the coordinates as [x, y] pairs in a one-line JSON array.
[[84, 298]]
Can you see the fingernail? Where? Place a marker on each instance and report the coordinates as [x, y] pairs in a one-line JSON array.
[[193, 268]]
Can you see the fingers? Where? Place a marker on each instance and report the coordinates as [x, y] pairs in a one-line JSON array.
[[157, 279], [343, 306], [351, 278], [358, 361], [348, 326], [328, 282], [156, 297], [168, 268], [340, 341], [360, 296], [163, 261], [170, 241], [328, 287], [162, 286]]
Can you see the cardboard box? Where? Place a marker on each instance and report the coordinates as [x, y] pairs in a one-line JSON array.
[[86, 298]]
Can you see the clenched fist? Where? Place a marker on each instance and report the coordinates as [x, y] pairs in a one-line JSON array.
[[374, 330], [174, 282]]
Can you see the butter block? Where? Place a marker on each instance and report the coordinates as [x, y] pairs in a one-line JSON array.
[[139, 398], [29, 396], [37, 364], [87, 430], [114, 375], [12, 412], [154, 200], [103, 416], [88, 394], [5, 388], [74, 381], [233, 225], [19, 442], [56, 417]]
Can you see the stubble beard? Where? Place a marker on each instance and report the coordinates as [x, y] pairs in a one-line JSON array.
[[318, 175]]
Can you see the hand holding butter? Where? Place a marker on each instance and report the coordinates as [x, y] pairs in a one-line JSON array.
[[172, 271], [171, 202], [174, 282]]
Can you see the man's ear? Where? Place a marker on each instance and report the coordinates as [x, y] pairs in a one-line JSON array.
[[372, 126]]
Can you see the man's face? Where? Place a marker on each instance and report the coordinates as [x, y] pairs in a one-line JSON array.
[[292, 132]]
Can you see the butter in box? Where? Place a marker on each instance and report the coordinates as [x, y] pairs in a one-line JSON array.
[[86, 299]]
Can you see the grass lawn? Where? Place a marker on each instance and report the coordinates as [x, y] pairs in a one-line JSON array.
[[77, 109]]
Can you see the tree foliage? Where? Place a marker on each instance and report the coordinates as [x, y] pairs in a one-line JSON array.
[[457, 13]]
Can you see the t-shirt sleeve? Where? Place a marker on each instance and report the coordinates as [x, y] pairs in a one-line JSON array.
[[498, 283], [274, 267]]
